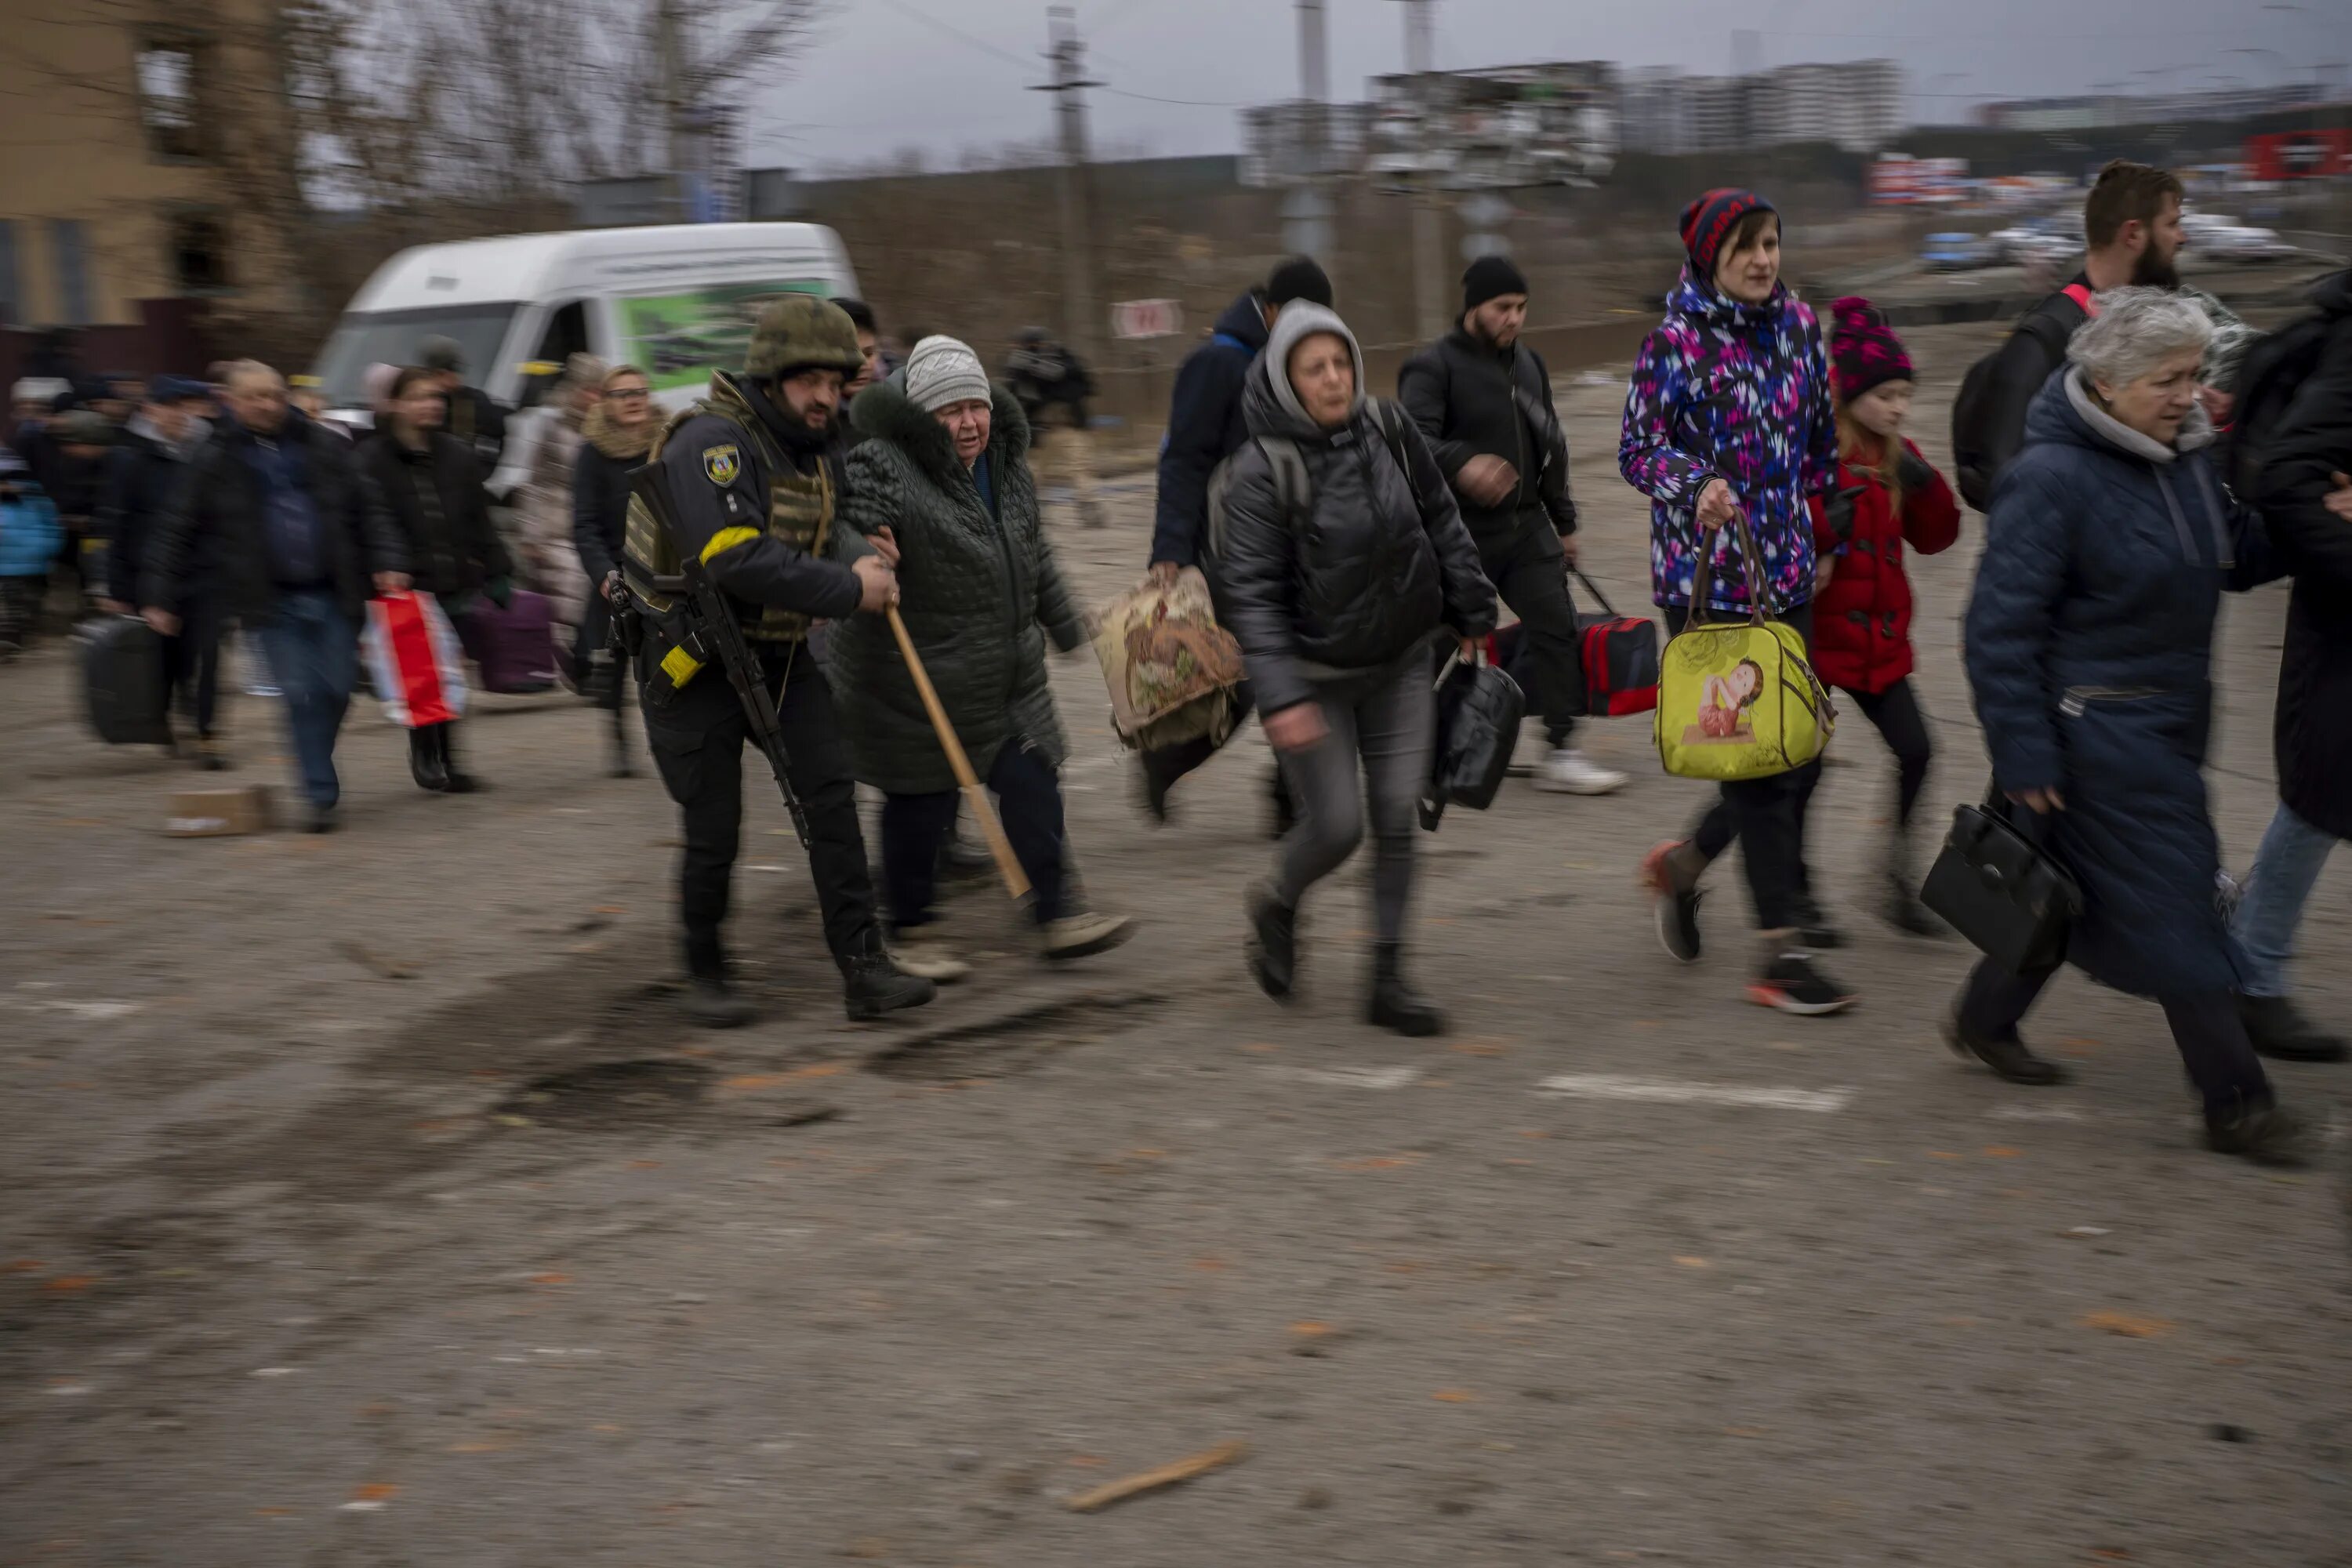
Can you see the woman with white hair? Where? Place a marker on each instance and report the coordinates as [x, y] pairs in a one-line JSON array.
[[2089, 650]]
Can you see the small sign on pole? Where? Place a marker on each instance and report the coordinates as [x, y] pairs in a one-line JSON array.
[[1147, 318]]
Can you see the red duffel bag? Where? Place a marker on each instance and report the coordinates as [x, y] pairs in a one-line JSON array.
[[1617, 655]]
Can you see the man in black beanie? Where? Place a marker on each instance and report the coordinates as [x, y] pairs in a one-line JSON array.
[[1483, 401], [1204, 428]]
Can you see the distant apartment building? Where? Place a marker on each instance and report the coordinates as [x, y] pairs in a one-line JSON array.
[[1502, 126], [126, 199], [1852, 104], [2101, 111]]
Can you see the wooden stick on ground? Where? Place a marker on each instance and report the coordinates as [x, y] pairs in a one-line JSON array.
[[1007, 863], [1200, 1463]]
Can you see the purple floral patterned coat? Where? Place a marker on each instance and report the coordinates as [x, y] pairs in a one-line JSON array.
[[1739, 393]]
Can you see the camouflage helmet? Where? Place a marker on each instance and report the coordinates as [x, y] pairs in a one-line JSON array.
[[801, 331]]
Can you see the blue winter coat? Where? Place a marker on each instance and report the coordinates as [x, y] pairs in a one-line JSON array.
[[1204, 427], [2090, 641], [28, 532]]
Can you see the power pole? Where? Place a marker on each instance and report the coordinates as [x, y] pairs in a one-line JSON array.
[[1307, 216], [669, 46], [1428, 217], [1064, 52]]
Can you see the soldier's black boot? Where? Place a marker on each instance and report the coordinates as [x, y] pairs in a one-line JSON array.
[[1396, 1004], [873, 986]]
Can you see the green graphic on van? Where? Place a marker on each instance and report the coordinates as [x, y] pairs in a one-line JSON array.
[[680, 339]]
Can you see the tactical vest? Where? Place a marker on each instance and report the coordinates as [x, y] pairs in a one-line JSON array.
[[799, 510]]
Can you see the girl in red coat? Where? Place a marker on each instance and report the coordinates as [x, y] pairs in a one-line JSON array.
[[1888, 496]]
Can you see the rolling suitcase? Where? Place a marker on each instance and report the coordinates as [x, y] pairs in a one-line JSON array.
[[123, 680], [514, 646]]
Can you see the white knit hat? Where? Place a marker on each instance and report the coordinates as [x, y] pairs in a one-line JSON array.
[[943, 371]]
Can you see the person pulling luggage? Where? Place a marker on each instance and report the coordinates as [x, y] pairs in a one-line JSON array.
[[756, 474]]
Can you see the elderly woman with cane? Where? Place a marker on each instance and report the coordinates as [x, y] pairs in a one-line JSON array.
[[943, 471], [2089, 652]]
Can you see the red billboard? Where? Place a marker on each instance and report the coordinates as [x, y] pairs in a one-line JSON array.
[[2300, 154]]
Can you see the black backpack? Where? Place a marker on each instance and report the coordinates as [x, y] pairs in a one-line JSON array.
[[2274, 370], [1294, 486], [2050, 324]]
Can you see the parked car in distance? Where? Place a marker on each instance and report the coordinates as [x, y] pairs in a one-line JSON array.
[[2240, 243], [1955, 253]]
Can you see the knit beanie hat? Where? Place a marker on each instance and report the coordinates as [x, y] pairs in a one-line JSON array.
[[943, 371], [1710, 219], [1299, 278], [1864, 349], [1488, 277]]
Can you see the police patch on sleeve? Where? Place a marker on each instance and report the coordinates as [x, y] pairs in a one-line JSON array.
[[721, 463]]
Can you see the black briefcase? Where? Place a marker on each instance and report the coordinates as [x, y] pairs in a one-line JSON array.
[[2002, 891]]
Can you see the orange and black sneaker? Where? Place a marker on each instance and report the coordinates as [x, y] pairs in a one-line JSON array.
[[1792, 983], [1675, 902]]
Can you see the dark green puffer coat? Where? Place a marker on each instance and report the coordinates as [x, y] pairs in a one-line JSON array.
[[979, 595]]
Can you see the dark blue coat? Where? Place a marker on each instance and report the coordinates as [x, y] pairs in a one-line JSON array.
[[2089, 650], [1204, 427]]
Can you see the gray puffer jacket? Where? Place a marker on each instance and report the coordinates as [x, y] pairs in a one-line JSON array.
[[979, 592], [1377, 564]]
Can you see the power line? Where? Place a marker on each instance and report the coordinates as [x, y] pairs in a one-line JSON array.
[[955, 32], [1186, 102]]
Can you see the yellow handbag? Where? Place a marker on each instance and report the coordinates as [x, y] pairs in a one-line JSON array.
[[1739, 700]]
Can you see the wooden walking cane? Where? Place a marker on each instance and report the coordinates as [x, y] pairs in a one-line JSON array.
[[1016, 880]]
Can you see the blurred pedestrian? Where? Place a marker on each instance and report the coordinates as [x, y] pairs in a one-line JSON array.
[[1334, 609], [2089, 650], [148, 466], [2306, 499], [276, 527], [755, 472], [869, 346], [1047, 375], [1729, 415], [2131, 222], [1483, 400], [1886, 496], [944, 475], [78, 485], [469, 414], [616, 433], [1205, 426], [28, 545], [548, 558], [431, 484]]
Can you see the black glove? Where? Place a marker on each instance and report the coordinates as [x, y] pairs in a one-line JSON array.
[[1913, 472], [1839, 510]]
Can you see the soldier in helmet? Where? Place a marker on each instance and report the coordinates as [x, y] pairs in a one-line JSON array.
[[755, 468]]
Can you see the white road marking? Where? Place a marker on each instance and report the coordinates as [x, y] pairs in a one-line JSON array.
[[1349, 1077], [1676, 1091]]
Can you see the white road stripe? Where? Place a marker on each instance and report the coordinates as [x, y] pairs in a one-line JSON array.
[[1349, 1077], [1675, 1092]]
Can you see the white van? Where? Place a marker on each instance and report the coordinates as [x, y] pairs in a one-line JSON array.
[[677, 300]]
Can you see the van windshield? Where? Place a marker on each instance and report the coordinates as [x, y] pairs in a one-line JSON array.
[[392, 337]]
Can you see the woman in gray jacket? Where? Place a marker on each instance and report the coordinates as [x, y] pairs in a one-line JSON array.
[[1336, 580]]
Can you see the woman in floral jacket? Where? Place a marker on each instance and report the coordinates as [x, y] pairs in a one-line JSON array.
[[1729, 415]]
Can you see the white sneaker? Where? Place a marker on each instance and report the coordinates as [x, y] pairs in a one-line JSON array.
[[932, 960], [1077, 936], [1569, 771]]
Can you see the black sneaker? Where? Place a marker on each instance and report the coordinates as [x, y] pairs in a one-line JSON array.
[[1791, 984], [322, 820], [1905, 913], [2005, 1053], [1150, 791], [2265, 1132], [1674, 903], [1814, 928], [2279, 1029], [1274, 940]]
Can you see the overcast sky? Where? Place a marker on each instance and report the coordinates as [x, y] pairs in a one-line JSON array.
[[944, 75]]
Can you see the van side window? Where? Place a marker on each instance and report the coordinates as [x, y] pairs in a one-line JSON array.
[[566, 335]]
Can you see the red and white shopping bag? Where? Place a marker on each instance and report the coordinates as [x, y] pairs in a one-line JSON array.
[[418, 662]]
